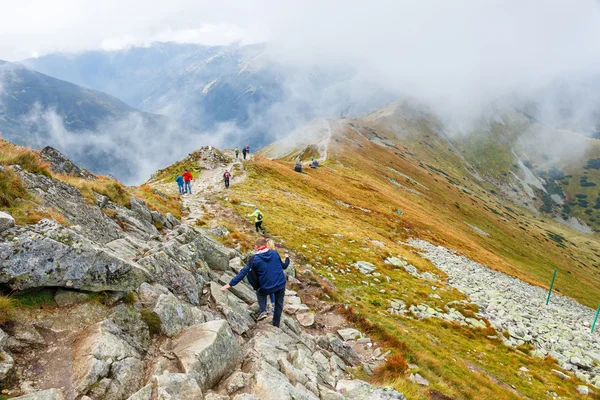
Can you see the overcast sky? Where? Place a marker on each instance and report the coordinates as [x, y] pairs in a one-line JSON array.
[[465, 49]]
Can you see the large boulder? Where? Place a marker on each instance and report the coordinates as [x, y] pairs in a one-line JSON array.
[[343, 350], [208, 352], [49, 254], [87, 219], [234, 309], [6, 221], [175, 315], [108, 356], [216, 255]]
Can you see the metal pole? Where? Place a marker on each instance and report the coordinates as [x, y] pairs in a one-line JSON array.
[[551, 285], [595, 319]]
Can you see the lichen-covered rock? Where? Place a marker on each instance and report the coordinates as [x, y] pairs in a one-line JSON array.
[[208, 352], [144, 393], [235, 310], [50, 394], [49, 254], [175, 315], [60, 164], [270, 384], [88, 219], [242, 290], [214, 253], [108, 356], [6, 221], [178, 386], [343, 349]]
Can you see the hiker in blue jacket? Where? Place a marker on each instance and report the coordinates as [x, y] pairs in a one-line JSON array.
[[179, 181], [269, 269]]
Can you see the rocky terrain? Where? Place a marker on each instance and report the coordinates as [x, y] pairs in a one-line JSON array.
[[560, 329], [140, 315]]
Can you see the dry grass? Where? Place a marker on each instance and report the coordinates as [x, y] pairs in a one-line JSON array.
[[164, 205], [29, 160], [7, 309], [301, 211], [110, 188]]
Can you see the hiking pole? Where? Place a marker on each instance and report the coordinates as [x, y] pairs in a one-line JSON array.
[[595, 319], [551, 285]]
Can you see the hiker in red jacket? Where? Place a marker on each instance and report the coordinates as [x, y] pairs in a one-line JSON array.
[[187, 182], [226, 177]]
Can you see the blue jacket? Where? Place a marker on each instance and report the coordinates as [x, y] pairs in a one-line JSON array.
[[179, 180], [269, 269]]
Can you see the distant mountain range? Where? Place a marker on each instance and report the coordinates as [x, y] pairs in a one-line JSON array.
[[24, 92], [205, 87]]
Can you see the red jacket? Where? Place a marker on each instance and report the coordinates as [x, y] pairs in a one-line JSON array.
[[187, 177]]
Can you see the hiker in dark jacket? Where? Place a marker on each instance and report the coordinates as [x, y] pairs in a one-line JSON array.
[[226, 177], [269, 269], [244, 152]]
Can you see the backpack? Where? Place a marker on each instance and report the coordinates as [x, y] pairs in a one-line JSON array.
[[259, 216], [252, 276]]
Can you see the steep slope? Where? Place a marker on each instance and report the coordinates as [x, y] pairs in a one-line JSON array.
[[352, 219], [113, 298]]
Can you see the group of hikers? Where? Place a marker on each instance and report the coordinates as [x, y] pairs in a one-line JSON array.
[[184, 182], [245, 151], [264, 272]]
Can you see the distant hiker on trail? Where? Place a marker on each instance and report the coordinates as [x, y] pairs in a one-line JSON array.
[[237, 152], [226, 177], [187, 179], [248, 149], [267, 266], [180, 182], [244, 152], [258, 219]]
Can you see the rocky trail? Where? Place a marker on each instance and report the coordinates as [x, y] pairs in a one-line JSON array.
[[138, 312]]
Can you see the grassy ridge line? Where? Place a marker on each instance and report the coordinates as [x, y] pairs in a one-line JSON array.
[[302, 211]]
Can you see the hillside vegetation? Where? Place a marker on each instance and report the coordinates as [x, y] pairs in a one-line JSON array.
[[375, 191]]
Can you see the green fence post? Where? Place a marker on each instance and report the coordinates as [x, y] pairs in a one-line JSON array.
[[595, 319], [551, 285]]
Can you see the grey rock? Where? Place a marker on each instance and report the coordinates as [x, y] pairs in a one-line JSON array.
[[60, 164], [214, 253], [216, 396], [148, 294], [107, 356], [560, 374], [144, 393], [306, 319], [66, 298], [175, 315], [349, 334], [48, 254], [49, 394], [208, 352], [360, 390], [7, 365], [90, 220], [238, 380], [343, 350], [242, 290], [179, 386], [6, 221], [419, 380], [234, 309], [270, 384], [582, 389], [395, 261], [246, 396], [328, 394], [365, 267], [172, 220]]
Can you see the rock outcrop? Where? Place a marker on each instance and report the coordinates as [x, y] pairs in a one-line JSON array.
[[60, 164]]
